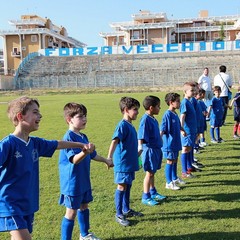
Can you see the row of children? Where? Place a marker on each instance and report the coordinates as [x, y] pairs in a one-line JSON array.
[[19, 171]]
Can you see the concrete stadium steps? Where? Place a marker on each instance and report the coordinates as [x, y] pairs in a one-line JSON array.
[[153, 70]]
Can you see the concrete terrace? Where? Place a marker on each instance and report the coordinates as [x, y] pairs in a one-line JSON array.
[[150, 70]]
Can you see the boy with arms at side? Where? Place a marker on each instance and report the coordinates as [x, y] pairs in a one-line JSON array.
[[74, 170], [150, 144], [236, 113], [124, 151], [200, 97], [188, 122], [19, 164], [216, 115], [170, 131]]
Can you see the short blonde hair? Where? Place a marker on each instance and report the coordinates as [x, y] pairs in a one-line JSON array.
[[19, 105]]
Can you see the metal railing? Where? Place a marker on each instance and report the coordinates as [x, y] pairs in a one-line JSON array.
[[22, 64]]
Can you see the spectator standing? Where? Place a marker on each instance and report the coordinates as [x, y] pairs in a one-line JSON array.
[[224, 81], [204, 82]]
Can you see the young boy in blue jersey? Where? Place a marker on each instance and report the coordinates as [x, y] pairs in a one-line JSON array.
[[150, 144], [200, 97], [170, 132], [124, 151], [74, 171], [236, 114], [216, 115], [19, 164], [200, 126], [188, 122]]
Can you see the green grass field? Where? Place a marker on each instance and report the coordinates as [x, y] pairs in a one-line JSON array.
[[208, 207]]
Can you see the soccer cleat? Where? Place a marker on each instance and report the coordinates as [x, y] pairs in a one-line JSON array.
[[235, 136], [201, 145], [149, 202], [214, 141], [132, 213], [196, 151], [204, 144], [220, 140], [179, 181], [90, 236], [187, 175], [197, 165], [195, 159], [172, 186], [121, 219], [158, 197]]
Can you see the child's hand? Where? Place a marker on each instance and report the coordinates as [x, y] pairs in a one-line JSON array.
[[109, 163], [89, 148], [184, 134]]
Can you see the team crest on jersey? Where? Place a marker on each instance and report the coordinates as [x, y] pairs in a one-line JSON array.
[[17, 154], [173, 121], [34, 155]]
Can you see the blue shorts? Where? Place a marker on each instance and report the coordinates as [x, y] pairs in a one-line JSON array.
[[74, 202], [236, 114], [189, 140], [124, 177], [16, 222], [215, 122], [170, 155], [151, 159]]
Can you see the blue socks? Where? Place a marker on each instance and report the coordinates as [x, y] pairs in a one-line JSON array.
[[184, 162], [153, 191], [168, 172], [174, 171], [66, 229], [218, 132], [119, 201], [146, 195], [126, 199], [212, 133], [83, 220]]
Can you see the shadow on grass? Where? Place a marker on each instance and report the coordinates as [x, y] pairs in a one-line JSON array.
[[195, 236], [216, 197], [227, 164], [209, 215]]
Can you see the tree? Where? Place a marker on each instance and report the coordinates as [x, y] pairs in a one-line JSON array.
[[221, 33]]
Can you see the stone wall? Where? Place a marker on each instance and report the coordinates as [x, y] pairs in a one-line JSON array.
[[118, 71]]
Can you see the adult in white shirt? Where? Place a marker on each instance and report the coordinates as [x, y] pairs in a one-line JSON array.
[[224, 81], [204, 82]]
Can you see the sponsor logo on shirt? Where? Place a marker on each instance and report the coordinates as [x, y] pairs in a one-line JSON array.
[[17, 154]]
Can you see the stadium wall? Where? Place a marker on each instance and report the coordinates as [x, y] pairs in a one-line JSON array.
[[159, 70]]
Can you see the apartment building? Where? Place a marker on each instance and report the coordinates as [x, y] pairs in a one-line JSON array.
[[31, 34], [147, 28]]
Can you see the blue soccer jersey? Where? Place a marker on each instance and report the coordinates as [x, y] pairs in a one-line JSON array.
[[200, 118], [204, 110], [19, 174], [171, 127], [126, 153], [190, 123], [149, 132], [74, 178], [217, 109], [237, 102]]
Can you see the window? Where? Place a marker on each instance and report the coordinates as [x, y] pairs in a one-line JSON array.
[[136, 35], [183, 38], [15, 50], [193, 37], [33, 38], [215, 36]]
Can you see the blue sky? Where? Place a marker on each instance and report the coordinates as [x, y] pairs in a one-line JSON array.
[[85, 19]]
